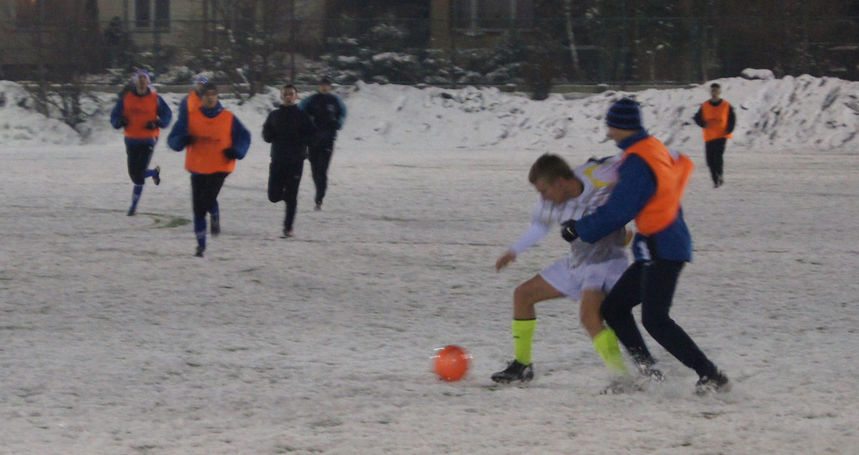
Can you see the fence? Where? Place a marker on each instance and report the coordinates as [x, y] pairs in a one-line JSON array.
[[536, 53]]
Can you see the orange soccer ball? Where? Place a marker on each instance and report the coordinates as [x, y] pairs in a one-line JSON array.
[[451, 363]]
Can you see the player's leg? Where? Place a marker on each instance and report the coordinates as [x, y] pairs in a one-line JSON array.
[[658, 285], [718, 160], [199, 206], [712, 152], [292, 180], [216, 182], [604, 339], [320, 160], [276, 178], [139, 154], [525, 297], [617, 308]]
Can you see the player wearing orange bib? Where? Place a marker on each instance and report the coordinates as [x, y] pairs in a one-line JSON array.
[[651, 181], [142, 114], [716, 117], [191, 102], [213, 139]]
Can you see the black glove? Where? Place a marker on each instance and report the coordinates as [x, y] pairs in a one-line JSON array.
[[231, 153], [151, 125], [123, 121], [568, 230]]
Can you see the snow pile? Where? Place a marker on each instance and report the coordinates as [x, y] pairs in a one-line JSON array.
[[751, 73], [21, 124], [783, 113], [790, 113]]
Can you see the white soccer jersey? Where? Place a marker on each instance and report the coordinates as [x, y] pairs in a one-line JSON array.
[[598, 179]]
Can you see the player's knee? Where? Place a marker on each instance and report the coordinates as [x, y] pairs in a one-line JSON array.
[[655, 322], [522, 295]]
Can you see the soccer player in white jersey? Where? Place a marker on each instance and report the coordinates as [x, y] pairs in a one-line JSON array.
[[586, 274]]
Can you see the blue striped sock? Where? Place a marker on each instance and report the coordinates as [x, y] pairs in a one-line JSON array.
[[135, 195], [200, 230]]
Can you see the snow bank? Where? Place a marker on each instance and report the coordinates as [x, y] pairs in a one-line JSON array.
[[21, 124], [787, 113]]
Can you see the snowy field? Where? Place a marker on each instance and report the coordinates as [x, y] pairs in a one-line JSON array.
[[114, 339]]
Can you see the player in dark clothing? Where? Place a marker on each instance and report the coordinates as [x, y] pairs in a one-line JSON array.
[[290, 131], [716, 117], [328, 114]]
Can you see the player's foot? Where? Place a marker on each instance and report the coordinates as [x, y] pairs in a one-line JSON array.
[[131, 211], [199, 252], [287, 233], [624, 384], [215, 225], [156, 177], [318, 206], [647, 370], [718, 383], [515, 371]]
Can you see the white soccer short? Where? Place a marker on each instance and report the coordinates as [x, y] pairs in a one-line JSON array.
[[572, 281]]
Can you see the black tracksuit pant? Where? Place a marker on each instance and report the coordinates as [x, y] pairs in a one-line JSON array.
[[652, 284], [320, 158], [715, 149], [139, 156], [284, 178], [204, 192]]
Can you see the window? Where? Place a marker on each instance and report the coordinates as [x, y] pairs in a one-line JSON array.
[[27, 12], [492, 14], [142, 13], [162, 13], [152, 13]]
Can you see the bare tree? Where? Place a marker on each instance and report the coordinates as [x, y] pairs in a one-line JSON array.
[[574, 55]]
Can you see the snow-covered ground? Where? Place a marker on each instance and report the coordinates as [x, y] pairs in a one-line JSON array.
[[114, 339]]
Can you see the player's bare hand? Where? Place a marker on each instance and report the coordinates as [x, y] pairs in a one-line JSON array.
[[505, 259]]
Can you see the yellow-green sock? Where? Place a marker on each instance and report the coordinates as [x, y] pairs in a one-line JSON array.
[[606, 346], [523, 332]]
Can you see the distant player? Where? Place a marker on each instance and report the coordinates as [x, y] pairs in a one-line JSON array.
[[328, 114], [213, 139], [141, 113], [191, 102], [587, 273], [716, 118], [289, 130]]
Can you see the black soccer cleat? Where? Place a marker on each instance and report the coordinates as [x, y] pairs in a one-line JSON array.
[[515, 371], [318, 206], [199, 252], [156, 177], [131, 211], [717, 383]]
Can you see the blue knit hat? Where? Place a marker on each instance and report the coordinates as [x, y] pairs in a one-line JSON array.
[[137, 75], [624, 115]]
